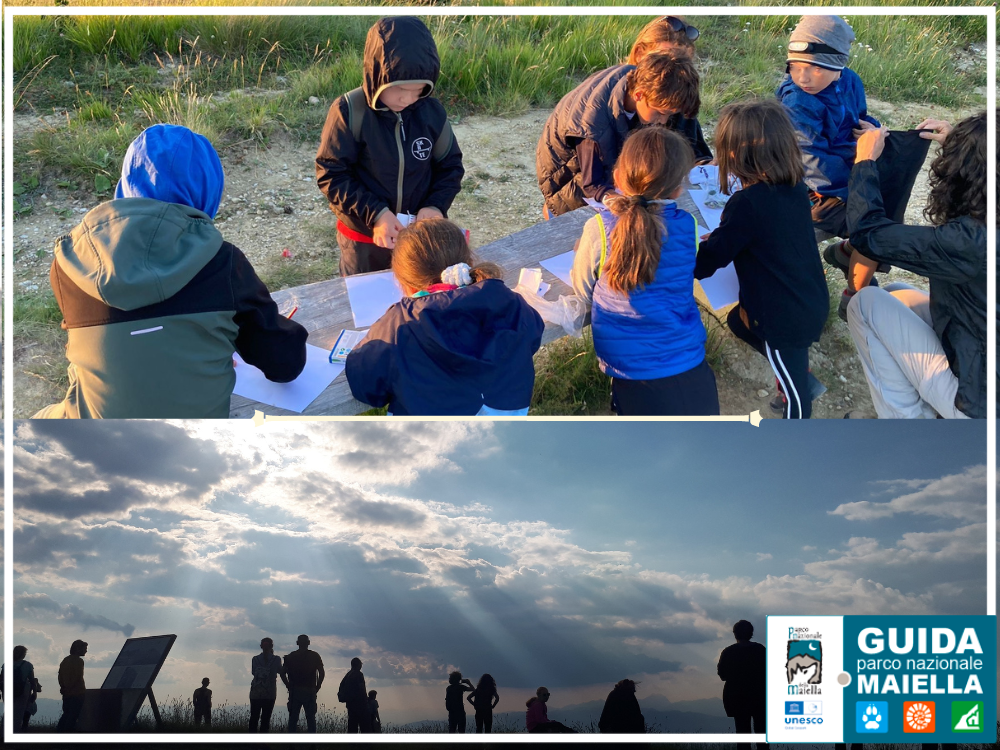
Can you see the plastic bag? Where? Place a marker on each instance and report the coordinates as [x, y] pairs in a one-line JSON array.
[[569, 311]]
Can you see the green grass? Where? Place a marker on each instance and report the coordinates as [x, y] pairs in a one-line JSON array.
[[128, 72]]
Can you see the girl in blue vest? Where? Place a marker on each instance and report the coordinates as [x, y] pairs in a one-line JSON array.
[[635, 262]]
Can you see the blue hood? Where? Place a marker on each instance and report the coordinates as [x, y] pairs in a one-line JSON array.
[[173, 164]]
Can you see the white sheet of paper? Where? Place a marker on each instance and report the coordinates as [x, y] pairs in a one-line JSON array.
[[722, 288], [704, 188], [370, 296], [294, 396], [560, 266]]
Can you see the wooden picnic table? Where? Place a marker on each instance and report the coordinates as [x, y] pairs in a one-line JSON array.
[[324, 308]]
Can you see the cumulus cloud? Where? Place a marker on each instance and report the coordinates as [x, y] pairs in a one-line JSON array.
[[959, 496], [36, 604]]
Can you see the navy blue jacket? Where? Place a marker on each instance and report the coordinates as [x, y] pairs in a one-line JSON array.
[[450, 353], [584, 135], [823, 123], [656, 331]]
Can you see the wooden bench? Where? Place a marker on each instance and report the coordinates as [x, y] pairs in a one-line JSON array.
[[324, 308]]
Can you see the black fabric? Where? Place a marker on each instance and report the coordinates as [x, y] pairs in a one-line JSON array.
[[766, 231], [358, 720], [362, 257], [742, 722], [829, 214], [456, 721], [359, 176], [953, 257], [743, 668], [449, 353], [398, 48], [260, 712], [266, 339], [621, 713], [72, 705], [691, 393], [484, 722], [790, 366], [898, 166]]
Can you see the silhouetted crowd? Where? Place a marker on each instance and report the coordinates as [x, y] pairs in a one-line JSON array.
[[741, 666]]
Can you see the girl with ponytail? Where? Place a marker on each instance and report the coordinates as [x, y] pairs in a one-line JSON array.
[[635, 263], [459, 343]]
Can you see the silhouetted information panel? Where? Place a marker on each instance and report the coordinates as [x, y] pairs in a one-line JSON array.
[[134, 671], [325, 310]]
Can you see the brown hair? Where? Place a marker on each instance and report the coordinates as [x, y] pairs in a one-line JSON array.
[[423, 250], [669, 81], [755, 142], [653, 164], [958, 174], [658, 32]]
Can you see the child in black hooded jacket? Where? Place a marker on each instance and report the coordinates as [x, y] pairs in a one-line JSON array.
[[387, 147]]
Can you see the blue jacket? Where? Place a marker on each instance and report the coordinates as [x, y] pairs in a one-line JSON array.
[[824, 122], [656, 331], [450, 353]]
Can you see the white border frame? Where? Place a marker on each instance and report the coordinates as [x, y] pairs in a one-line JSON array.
[[9, 13]]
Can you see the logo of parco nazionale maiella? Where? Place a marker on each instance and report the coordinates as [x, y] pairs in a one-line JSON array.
[[804, 662]]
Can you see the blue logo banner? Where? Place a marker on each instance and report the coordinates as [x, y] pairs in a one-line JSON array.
[[920, 679]]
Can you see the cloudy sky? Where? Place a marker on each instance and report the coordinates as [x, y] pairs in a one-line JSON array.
[[570, 554]]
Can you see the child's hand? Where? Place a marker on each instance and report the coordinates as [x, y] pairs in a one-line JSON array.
[[871, 143], [429, 212], [940, 127], [863, 126], [704, 236], [385, 230]]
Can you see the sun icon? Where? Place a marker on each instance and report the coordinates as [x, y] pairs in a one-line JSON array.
[[919, 716]]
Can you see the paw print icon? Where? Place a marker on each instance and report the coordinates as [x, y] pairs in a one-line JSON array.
[[872, 717]]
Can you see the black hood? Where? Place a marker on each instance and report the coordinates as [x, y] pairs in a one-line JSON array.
[[399, 50]]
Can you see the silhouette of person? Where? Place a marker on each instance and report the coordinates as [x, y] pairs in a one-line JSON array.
[[537, 716], [484, 699], [202, 700], [373, 712], [72, 686], [621, 714], [302, 673], [742, 667], [453, 694], [265, 668], [24, 689], [353, 692]]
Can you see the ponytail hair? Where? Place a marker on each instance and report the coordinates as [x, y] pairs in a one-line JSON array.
[[653, 163], [425, 249]]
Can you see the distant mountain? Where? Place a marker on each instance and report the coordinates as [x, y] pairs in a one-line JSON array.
[[705, 716], [49, 710]]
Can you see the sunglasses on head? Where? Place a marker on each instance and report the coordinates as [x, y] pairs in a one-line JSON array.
[[814, 48], [677, 24]]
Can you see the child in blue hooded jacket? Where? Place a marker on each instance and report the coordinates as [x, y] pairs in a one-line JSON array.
[[155, 302], [827, 104]]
